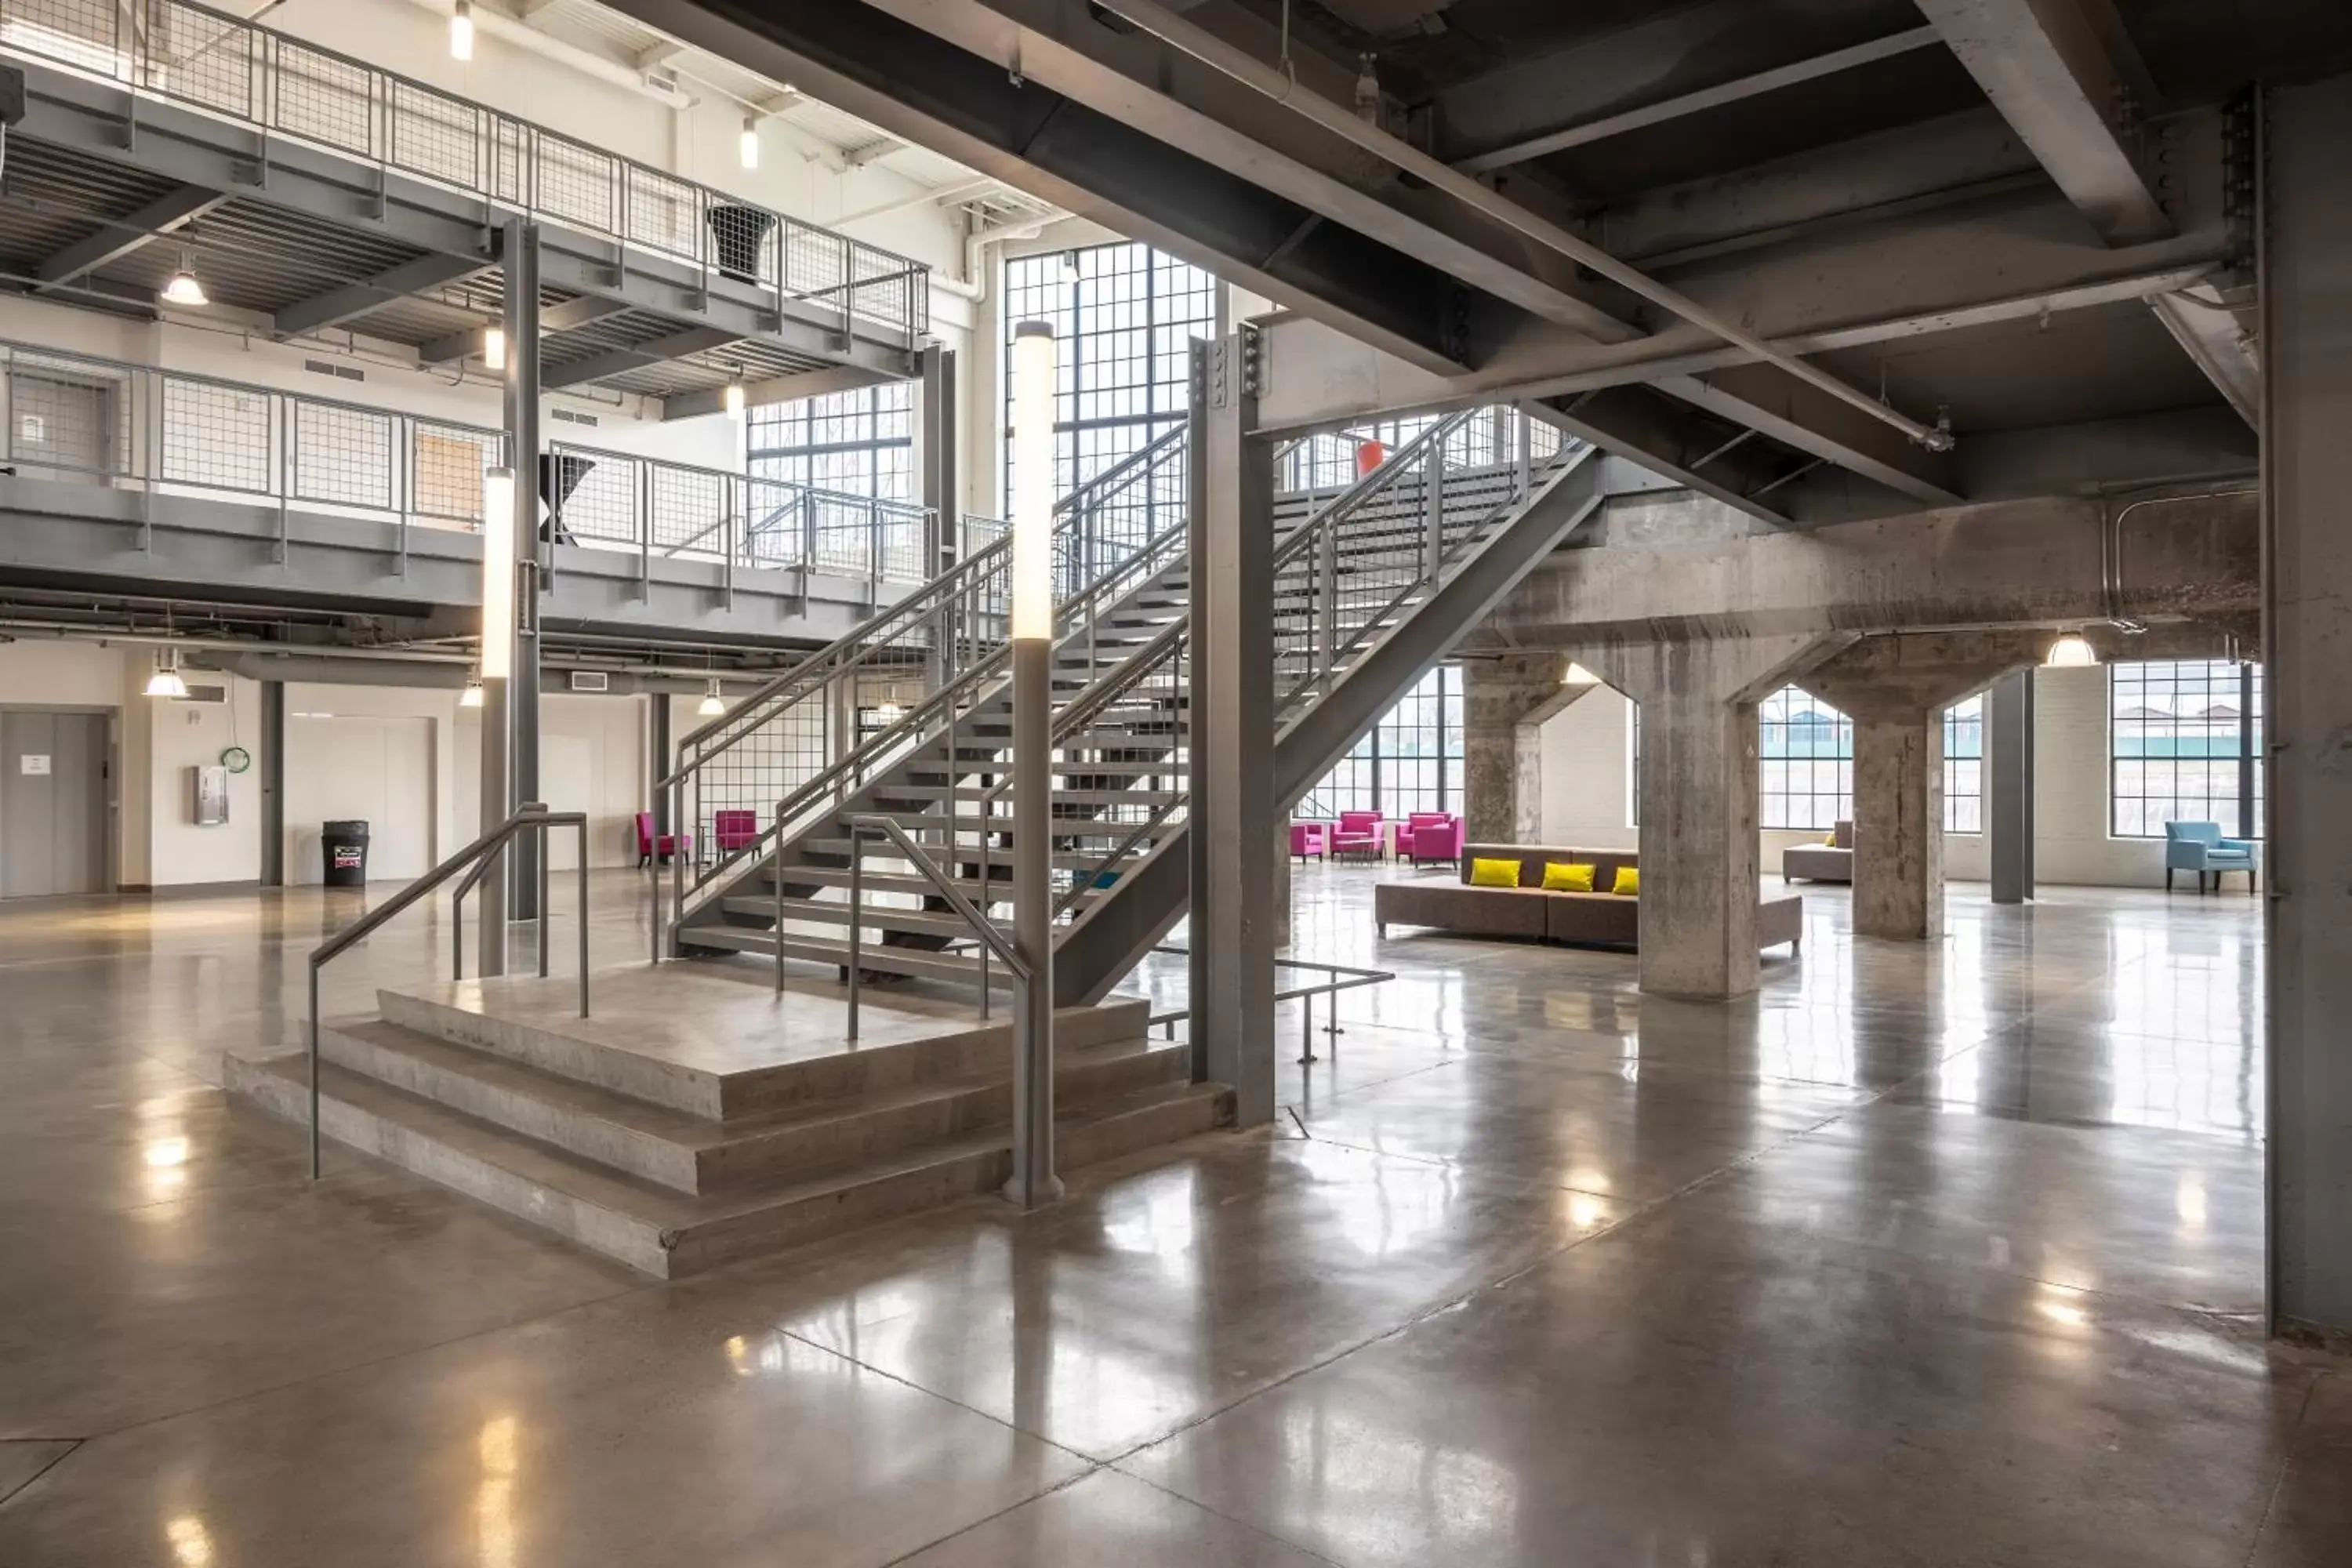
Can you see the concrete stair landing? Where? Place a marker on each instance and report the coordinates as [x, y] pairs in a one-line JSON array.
[[696, 1118]]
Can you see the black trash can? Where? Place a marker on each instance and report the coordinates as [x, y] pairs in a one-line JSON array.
[[342, 846], [738, 233]]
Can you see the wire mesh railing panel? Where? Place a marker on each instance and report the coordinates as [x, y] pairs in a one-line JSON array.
[[447, 464], [774, 517], [343, 456], [841, 536], [689, 509], [665, 213], [200, 56], [605, 499], [571, 181], [66, 420], [216, 436], [84, 34], [435, 135], [322, 97]]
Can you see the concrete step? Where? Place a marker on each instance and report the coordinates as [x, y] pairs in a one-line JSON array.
[[697, 1155], [670, 1235], [878, 958], [615, 1056]]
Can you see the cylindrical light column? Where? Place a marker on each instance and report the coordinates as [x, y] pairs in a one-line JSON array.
[[499, 583], [1034, 1181]]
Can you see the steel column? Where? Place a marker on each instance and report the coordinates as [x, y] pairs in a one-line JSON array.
[[2009, 787], [273, 784], [1231, 838], [519, 254], [1034, 1181]]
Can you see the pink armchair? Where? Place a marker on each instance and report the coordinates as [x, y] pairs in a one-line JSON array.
[[731, 830], [1309, 840], [1432, 837], [650, 844], [1357, 835]]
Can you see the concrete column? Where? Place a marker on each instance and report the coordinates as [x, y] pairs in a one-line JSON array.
[[1231, 840], [1898, 827], [2306, 342], [2009, 787], [1698, 853], [1505, 702]]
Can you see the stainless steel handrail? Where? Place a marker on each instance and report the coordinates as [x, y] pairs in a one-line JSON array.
[[995, 941], [530, 816]]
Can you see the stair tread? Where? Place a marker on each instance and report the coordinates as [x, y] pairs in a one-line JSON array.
[[683, 1128], [676, 1214]]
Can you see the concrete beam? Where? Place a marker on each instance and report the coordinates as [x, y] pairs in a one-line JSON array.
[[1769, 400], [118, 238], [1661, 110], [1637, 425], [334, 307], [2063, 72], [620, 362], [775, 389], [2211, 333], [2034, 563], [1505, 703], [2008, 257]]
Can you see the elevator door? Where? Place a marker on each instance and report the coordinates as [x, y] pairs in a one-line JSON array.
[[53, 811]]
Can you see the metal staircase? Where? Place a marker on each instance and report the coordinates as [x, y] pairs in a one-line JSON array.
[[1373, 583]]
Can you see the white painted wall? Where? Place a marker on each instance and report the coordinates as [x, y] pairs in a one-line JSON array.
[[1586, 785], [379, 768]]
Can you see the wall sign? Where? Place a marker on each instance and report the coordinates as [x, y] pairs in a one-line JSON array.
[[33, 762]]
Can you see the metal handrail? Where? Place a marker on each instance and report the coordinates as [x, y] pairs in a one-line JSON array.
[[865, 823], [531, 816], [1355, 977]]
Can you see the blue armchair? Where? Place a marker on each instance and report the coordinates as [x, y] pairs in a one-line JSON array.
[[2199, 846]]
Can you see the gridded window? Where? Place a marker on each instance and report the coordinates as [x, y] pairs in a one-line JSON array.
[[1964, 766], [2186, 744], [1124, 318], [860, 442], [1808, 762], [1411, 761]]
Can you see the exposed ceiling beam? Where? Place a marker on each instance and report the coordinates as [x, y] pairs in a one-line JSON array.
[[2211, 333], [335, 306], [872, 152], [1762, 398], [1582, 133], [1646, 429], [620, 362], [2063, 72], [569, 316], [118, 238], [656, 54], [774, 390], [929, 91]]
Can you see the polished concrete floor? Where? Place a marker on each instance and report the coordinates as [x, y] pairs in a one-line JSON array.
[[1927, 1255]]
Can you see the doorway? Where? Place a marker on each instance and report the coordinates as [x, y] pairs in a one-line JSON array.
[[54, 792]]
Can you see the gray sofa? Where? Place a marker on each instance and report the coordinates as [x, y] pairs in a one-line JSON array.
[[1599, 918], [1831, 862]]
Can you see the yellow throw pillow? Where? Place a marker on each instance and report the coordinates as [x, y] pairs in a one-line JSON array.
[[1486, 873], [1829, 839], [1561, 876], [1629, 882]]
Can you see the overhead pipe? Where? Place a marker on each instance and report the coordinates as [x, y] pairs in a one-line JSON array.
[[1265, 79]]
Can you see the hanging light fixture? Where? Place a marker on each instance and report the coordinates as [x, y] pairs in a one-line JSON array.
[[750, 144], [2072, 651], [461, 31], [1578, 676], [712, 704], [494, 347], [183, 288], [734, 398], [166, 680], [472, 695]]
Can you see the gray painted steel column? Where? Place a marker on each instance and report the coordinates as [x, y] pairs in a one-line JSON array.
[[663, 751], [273, 784], [2009, 787], [1231, 835], [519, 252], [941, 451], [2306, 337], [1034, 1181]]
